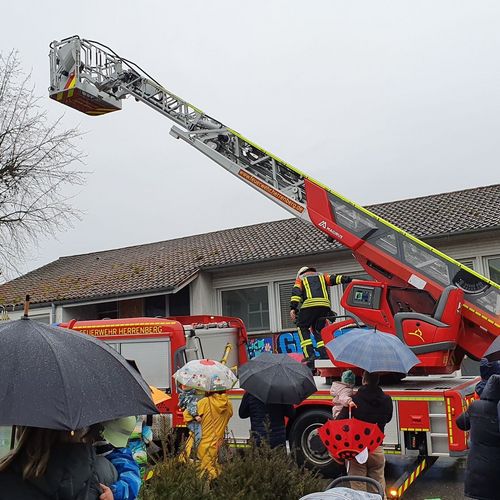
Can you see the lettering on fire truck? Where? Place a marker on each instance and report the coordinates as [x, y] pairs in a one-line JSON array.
[[125, 329]]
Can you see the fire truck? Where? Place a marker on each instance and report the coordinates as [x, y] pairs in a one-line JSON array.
[[440, 308]]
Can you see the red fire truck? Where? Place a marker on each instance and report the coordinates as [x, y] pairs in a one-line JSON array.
[[439, 307], [424, 408]]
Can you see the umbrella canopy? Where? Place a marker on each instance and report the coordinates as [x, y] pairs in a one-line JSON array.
[[344, 439], [373, 351], [493, 352], [206, 375], [61, 379], [158, 395], [277, 378]]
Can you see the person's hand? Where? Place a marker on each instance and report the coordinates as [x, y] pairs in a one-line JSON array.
[[293, 314], [197, 418], [352, 405], [106, 494]]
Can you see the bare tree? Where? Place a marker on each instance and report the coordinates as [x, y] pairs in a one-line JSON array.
[[37, 159]]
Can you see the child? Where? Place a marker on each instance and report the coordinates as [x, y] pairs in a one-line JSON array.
[[216, 410], [141, 437], [342, 392], [188, 403], [113, 446]]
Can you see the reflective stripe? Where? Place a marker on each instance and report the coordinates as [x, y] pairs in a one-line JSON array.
[[320, 344], [323, 285], [307, 286], [338, 279], [316, 303]]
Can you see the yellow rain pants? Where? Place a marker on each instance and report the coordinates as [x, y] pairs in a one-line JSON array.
[[215, 411]]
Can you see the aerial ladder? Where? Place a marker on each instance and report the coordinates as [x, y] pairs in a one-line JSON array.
[[439, 307]]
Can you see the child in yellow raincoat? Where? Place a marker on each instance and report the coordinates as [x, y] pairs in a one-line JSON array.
[[215, 410]]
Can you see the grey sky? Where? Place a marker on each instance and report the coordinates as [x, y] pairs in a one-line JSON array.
[[381, 100]]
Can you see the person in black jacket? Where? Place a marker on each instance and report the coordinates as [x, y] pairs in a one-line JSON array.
[[267, 421], [482, 480], [48, 464], [370, 404]]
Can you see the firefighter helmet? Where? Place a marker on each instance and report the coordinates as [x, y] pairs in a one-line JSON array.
[[304, 269]]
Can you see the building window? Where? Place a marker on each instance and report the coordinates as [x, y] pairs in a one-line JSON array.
[[107, 310], [494, 269], [285, 293], [155, 306], [179, 303], [250, 305]]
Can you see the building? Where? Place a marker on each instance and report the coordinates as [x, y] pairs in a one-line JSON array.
[[248, 271]]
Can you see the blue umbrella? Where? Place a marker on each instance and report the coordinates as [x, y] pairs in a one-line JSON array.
[[373, 351]]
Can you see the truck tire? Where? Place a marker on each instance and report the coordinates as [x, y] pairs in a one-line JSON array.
[[307, 446]]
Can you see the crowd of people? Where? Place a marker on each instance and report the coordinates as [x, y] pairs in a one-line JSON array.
[[109, 461], [87, 464]]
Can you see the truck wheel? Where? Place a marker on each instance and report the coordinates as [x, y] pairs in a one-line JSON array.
[[307, 445]]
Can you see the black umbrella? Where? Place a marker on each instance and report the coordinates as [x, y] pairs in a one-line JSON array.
[[493, 352], [61, 379], [277, 378]]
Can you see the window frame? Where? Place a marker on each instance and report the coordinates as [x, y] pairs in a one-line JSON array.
[[270, 302], [486, 260]]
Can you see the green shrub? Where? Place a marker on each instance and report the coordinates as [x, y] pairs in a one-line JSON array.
[[175, 480], [261, 474], [247, 474]]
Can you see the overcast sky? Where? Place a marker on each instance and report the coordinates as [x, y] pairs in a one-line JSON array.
[[380, 100]]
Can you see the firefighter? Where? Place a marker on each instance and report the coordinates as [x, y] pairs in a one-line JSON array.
[[310, 305]]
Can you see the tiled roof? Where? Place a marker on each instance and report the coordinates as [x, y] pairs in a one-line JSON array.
[[168, 264]]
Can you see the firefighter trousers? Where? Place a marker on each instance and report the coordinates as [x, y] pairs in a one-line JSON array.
[[310, 321]]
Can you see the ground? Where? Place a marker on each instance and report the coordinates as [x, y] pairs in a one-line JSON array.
[[444, 480]]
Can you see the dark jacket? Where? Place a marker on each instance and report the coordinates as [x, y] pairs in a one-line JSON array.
[[486, 369], [70, 475], [267, 422], [373, 406], [482, 478]]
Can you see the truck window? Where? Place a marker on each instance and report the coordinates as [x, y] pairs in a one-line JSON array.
[[152, 358]]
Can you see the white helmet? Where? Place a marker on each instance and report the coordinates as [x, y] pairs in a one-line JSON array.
[[304, 269]]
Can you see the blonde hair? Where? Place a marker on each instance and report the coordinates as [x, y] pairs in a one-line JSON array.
[[34, 444]]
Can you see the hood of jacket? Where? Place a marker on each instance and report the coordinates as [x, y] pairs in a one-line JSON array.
[[373, 396], [338, 386], [219, 402], [488, 368], [491, 390]]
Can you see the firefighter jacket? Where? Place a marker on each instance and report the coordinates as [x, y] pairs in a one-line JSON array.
[[311, 289]]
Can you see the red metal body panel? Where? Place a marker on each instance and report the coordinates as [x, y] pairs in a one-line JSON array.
[[171, 328], [472, 338], [414, 415]]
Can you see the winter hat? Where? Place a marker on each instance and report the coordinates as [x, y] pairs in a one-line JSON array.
[[117, 432], [348, 377]]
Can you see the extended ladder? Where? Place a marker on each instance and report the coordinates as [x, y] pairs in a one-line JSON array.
[[90, 77]]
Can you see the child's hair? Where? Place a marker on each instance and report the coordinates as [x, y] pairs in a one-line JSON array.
[[348, 377]]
